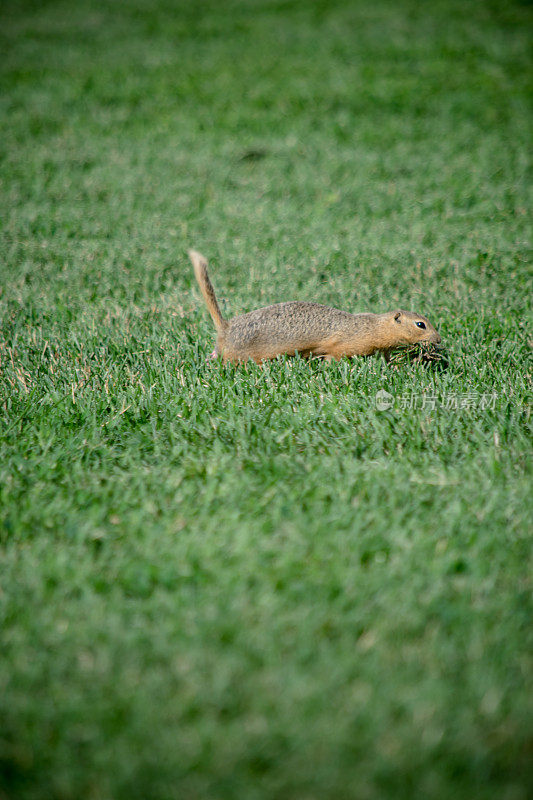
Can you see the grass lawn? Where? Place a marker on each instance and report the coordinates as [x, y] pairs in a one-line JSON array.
[[243, 582]]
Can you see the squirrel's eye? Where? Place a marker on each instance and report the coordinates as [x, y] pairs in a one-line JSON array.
[[421, 324]]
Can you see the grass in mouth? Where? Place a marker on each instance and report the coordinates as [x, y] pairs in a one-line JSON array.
[[428, 355]]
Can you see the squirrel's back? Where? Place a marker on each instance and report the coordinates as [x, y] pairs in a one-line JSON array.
[[288, 328]]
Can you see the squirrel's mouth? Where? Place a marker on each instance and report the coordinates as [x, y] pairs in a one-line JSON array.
[[433, 338]]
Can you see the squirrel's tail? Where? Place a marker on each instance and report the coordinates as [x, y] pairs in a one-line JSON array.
[[206, 287]]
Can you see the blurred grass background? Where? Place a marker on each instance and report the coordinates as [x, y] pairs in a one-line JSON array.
[[241, 582]]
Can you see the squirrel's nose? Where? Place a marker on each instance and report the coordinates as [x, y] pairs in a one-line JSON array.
[[438, 339]]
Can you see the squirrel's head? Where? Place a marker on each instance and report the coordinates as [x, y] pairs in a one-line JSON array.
[[413, 328]]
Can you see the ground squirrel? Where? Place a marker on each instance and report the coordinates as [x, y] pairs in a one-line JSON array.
[[309, 329]]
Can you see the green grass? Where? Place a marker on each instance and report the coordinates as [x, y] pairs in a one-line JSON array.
[[244, 582]]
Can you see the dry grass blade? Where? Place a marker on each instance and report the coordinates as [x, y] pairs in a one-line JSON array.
[[429, 355]]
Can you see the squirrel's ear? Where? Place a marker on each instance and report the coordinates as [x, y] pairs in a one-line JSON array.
[[397, 315]]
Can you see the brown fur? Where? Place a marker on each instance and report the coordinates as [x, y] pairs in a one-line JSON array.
[[309, 329]]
